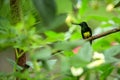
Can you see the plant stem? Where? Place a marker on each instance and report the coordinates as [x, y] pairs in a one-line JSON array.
[[103, 34], [16, 17]]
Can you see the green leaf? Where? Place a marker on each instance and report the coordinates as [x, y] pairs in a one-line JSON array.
[[14, 64], [59, 20], [83, 7], [49, 64], [101, 44], [46, 9], [99, 18], [111, 52], [116, 19], [75, 35], [2, 74], [83, 57], [65, 45], [65, 64], [117, 5], [107, 71], [29, 21], [68, 53], [64, 6], [50, 34], [111, 59], [76, 61], [42, 54], [4, 5], [118, 71], [53, 36], [85, 52]]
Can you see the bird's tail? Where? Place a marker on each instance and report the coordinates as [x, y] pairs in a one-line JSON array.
[[91, 42]]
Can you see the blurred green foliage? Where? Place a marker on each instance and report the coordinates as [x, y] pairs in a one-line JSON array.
[[40, 35]]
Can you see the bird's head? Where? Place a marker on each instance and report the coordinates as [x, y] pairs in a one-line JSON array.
[[81, 24]]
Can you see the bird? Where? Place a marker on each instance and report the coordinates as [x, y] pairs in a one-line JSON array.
[[85, 30]]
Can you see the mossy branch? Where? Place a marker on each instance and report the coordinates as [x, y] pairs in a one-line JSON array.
[[16, 12]]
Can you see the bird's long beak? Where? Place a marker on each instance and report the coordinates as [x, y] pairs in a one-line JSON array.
[[75, 24]]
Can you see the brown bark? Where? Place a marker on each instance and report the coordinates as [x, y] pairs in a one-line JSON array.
[[103, 34], [21, 61]]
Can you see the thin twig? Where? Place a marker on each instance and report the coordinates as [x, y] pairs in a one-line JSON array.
[[103, 34]]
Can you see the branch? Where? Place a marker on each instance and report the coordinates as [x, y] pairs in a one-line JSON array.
[[103, 34], [95, 37], [91, 38]]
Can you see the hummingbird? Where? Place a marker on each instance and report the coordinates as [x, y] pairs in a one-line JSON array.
[[85, 30]]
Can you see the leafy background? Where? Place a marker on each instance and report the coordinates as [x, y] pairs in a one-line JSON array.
[[47, 34]]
